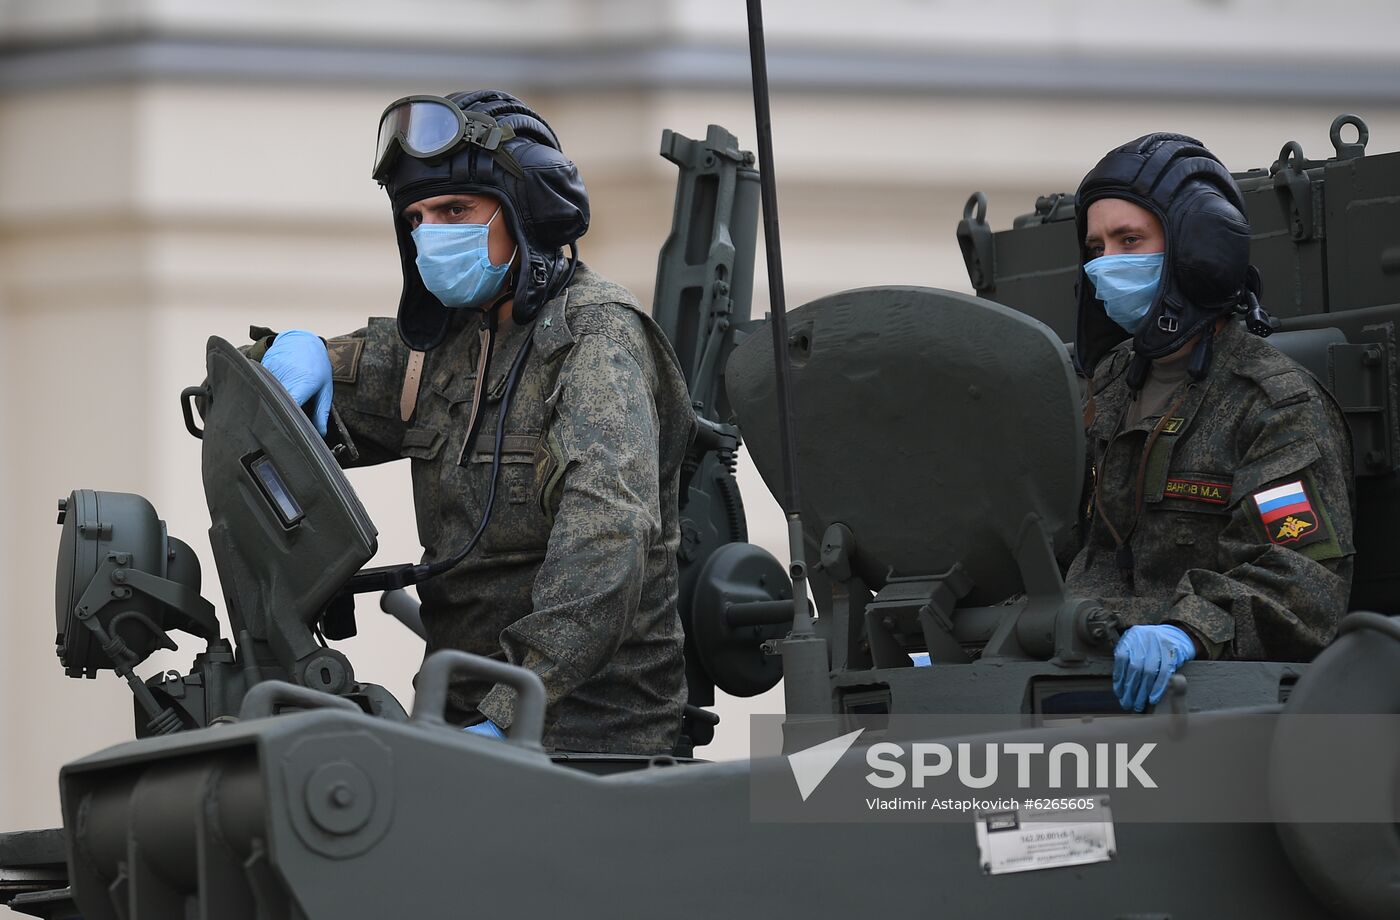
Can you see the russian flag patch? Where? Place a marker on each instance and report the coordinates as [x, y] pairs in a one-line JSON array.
[[1288, 514]]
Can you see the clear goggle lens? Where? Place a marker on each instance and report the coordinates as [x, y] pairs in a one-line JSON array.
[[429, 126], [423, 127]]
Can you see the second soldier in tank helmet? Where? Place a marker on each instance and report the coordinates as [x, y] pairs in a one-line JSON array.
[[1219, 512], [534, 397]]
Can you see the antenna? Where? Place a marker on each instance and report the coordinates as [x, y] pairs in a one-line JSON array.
[[805, 666]]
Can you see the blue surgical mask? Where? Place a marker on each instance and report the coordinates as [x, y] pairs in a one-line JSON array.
[[1127, 285], [455, 265]]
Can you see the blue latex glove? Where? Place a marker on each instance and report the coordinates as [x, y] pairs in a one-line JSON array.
[[1144, 660], [299, 361], [488, 728]]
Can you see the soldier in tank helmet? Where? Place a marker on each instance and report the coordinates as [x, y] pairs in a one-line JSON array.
[[1219, 507], [545, 417]]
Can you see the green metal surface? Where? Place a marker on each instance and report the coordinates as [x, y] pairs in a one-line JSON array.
[[941, 452]]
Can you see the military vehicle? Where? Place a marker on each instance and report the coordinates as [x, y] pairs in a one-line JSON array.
[[270, 782]]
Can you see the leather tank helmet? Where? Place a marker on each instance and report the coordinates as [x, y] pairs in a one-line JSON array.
[[1206, 263], [542, 199]]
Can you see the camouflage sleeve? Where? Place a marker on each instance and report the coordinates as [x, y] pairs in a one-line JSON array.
[[588, 589], [367, 370], [367, 367], [1286, 553]]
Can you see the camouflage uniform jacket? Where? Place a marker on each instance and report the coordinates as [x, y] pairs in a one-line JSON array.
[[575, 576], [1244, 533]]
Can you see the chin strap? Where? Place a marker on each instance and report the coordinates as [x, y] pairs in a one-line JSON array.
[[573, 267], [1198, 365], [1137, 372], [1201, 354], [500, 301]]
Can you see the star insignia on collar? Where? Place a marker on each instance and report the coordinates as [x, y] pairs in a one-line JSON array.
[[546, 322]]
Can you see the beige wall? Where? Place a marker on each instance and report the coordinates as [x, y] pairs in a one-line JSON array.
[[139, 216]]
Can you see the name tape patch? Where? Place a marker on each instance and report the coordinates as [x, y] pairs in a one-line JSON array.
[[1288, 515], [1197, 490]]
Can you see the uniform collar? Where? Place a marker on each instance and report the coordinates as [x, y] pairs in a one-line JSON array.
[[551, 332], [1226, 345]]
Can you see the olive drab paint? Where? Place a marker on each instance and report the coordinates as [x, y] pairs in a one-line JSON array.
[[301, 803]]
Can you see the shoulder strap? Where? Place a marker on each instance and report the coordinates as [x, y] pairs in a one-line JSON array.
[[408, 398]]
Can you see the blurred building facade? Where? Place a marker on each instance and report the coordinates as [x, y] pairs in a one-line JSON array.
[[172, 169]]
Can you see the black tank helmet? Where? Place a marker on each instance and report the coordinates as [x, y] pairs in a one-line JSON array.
[[507, 151], [1207, 249]]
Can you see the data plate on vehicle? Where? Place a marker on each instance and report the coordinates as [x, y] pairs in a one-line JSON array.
[[1076, 832]]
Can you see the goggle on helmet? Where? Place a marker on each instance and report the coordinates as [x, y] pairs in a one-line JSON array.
[[484, 142], [428, 127]]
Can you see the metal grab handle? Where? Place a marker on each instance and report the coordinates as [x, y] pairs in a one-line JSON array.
[[187, 397], [400, 605], [437, 672], [262, 701]]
